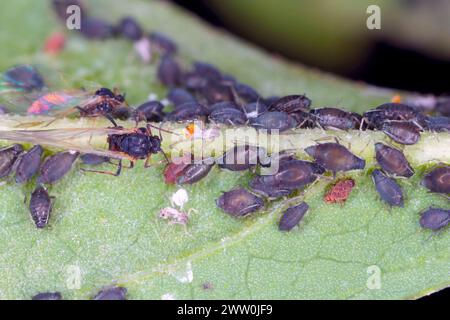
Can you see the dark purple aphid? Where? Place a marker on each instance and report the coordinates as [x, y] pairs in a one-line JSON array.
[[95, 28], [187, 111], [254, 109], [8, 157], [179, 96], [169, 71], [216, 91], [228, 115], [389, 111], [56, 166], [246, 93], [443, 106], [403, 132], [274, 121], [28, 164], [435, 219], [388, 189], [207, 70], [150, 111], [335, 118], [393, 161], [292, 216], [130, 29], [93, 159], [24, 77], [438, 180], [335, 157], [47, 296], [437, 124], [239, 202], [193, 173], [40, 207], [162, 43], [192, 80], [241, 158], [291, 104], [113, 293]]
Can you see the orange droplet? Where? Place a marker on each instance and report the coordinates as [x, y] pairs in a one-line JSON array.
[[396, 99], [189, 130]]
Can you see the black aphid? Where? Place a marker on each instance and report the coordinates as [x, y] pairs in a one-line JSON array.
[[56, 166], [193, 173], [403, 132], [130, 29], [393, 161], [216, 91], [435, 218], [24, 77], [169, 71], [162, 43], [47, 296], [246, 93], [437, 124], [187, 111], [388, 189], [96, 28], [150, 111], [438, 180], [291, 104], [242, 158], [28, 164], [93, 159], [239, 202], [274, 121], [8, 157], [389, 111], [40, 207], [292, 216], [113, 293], [227, 114], [443, 106], [335, 118], [178, 96], [207, 70], [335, 157]]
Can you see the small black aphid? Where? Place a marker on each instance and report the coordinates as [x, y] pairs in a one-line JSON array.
[[56, 166], [47, 296], [24, 77], [130, 29], [392, 160], [292, 216], [96, 28], [150, 111], [192, 80], [239, 202], [274, 121], [178, 96], [254, 109], [246, 93], [389, 111], [193, 173], [438, 180], [228, 115], [437, 124], [403, 132], [388, 189], [207, 70], [162, 43], [216, 91], [443, 106], [8, 157], [113, 293], [335, 118], [93, 159], [28, 164], [291, 104], [435, 218], [242, 158], [335, 157], [40, 207], [169, 71], [187, 111]]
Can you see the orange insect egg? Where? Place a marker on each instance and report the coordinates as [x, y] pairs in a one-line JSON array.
[[55, 43], [340, 191], [396, 99]]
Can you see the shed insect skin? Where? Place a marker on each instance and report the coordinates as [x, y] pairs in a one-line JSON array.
[[388, 189], [112, 293], [393, 161], [56, 166], [239, 202], [292, 217], [40, 207], [28, 164], [438, 180], [8, 157], [403, 132], [434, 219]]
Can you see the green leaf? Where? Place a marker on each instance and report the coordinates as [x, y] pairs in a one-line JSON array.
[[106, 230]]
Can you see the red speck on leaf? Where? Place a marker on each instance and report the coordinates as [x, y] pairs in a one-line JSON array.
[[54, 43], [339, 192]]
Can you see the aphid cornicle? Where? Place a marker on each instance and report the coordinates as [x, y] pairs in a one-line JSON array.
[[56, 166], [403, 132], [435, 219], [28, 164], [40, 207], [8, 157], [335, 157], [47, 296], [392, 160], [438, 180], [113, 293], [239, 202], [292, 216], [388, 189]]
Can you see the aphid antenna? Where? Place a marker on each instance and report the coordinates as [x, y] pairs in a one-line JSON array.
[[161, 129]]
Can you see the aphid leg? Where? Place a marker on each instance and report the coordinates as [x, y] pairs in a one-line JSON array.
[[147, 162], [116, 174], [110, 118]]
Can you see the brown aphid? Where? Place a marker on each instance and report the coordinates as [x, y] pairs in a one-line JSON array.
[[8, 157], [292, 217], [113, 293], [193, 173], [403, 132], [335, 157], [239, 202], [28, 164], [388, 189], [40, 207], [56, 166], [435, 219], [438, 180], [393, 161]]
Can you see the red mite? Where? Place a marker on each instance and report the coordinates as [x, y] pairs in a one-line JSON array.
[[55, 43], [339, 192]]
